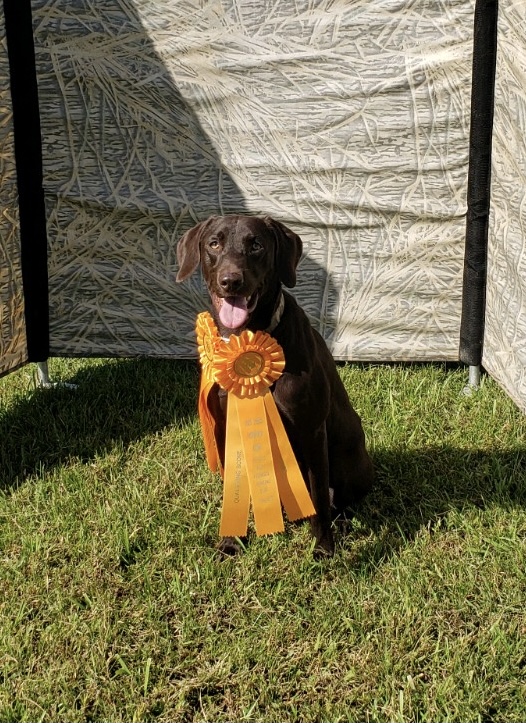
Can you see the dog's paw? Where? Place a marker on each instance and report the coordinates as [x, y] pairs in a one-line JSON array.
[[229, 546], [323, 550]]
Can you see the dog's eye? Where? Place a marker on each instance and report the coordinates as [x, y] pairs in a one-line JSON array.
[[213, 243], [255, 245]]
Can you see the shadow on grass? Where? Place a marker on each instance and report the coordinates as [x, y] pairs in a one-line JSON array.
[[116, 402], [120, 402], [415, 489]]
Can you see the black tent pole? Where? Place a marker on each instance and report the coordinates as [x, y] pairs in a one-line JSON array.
[[478, 193], [28, 155]]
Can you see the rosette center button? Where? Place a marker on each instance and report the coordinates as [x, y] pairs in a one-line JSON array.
[[249, 364]]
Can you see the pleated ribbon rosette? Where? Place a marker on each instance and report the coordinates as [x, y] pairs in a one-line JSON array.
[[260, 466]]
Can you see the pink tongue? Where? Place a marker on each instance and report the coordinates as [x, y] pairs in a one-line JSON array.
[[233, 312]]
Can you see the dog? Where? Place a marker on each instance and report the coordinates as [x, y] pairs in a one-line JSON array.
[[246, 261]]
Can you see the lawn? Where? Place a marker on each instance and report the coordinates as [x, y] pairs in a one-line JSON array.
[[115, 606]]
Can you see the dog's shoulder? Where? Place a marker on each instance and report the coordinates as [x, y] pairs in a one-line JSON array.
[[294, 328], [303, 346]]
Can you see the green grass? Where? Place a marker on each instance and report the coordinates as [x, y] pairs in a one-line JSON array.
[[114, 605]]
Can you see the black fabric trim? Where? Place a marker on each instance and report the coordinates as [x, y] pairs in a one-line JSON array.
[[479, 182], [28, 153]]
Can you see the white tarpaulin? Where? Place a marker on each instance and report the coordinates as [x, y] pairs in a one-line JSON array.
[[505, 330], [351, 122], [348, 121]]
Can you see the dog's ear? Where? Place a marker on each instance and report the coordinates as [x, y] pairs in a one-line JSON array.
[[288, 251], [189, 249]]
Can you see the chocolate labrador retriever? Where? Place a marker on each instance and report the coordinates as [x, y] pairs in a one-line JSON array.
[[245, 260]]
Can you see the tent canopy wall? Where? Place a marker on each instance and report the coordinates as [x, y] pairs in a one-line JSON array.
[[349, 122], [505, 330]]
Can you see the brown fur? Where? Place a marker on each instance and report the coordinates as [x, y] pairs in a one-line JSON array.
[[251, 257]]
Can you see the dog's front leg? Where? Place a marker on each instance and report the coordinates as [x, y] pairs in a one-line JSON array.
[[317, 467]]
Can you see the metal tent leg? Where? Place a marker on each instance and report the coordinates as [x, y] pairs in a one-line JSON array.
[[473, 380], [43, 375], [44, 382]]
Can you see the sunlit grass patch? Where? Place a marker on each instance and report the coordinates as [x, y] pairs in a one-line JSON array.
[[116, 606]]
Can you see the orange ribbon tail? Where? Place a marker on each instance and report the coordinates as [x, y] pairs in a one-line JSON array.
[[259, 459], [236, 495], [292, 489], [208, 425], [248, 467]]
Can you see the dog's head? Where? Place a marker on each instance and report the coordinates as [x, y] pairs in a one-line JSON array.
[[244, 260]]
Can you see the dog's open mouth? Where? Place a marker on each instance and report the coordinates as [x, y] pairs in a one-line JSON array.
[[234, 311]]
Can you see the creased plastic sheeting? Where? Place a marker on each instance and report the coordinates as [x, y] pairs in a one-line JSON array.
[[348, 121], [13, 346], [505, 330]]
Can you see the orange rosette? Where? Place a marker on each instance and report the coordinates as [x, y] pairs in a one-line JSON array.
[[260, 466], [207, 340], [249, 364]]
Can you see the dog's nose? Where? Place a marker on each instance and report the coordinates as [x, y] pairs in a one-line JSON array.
[[231, 281]]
